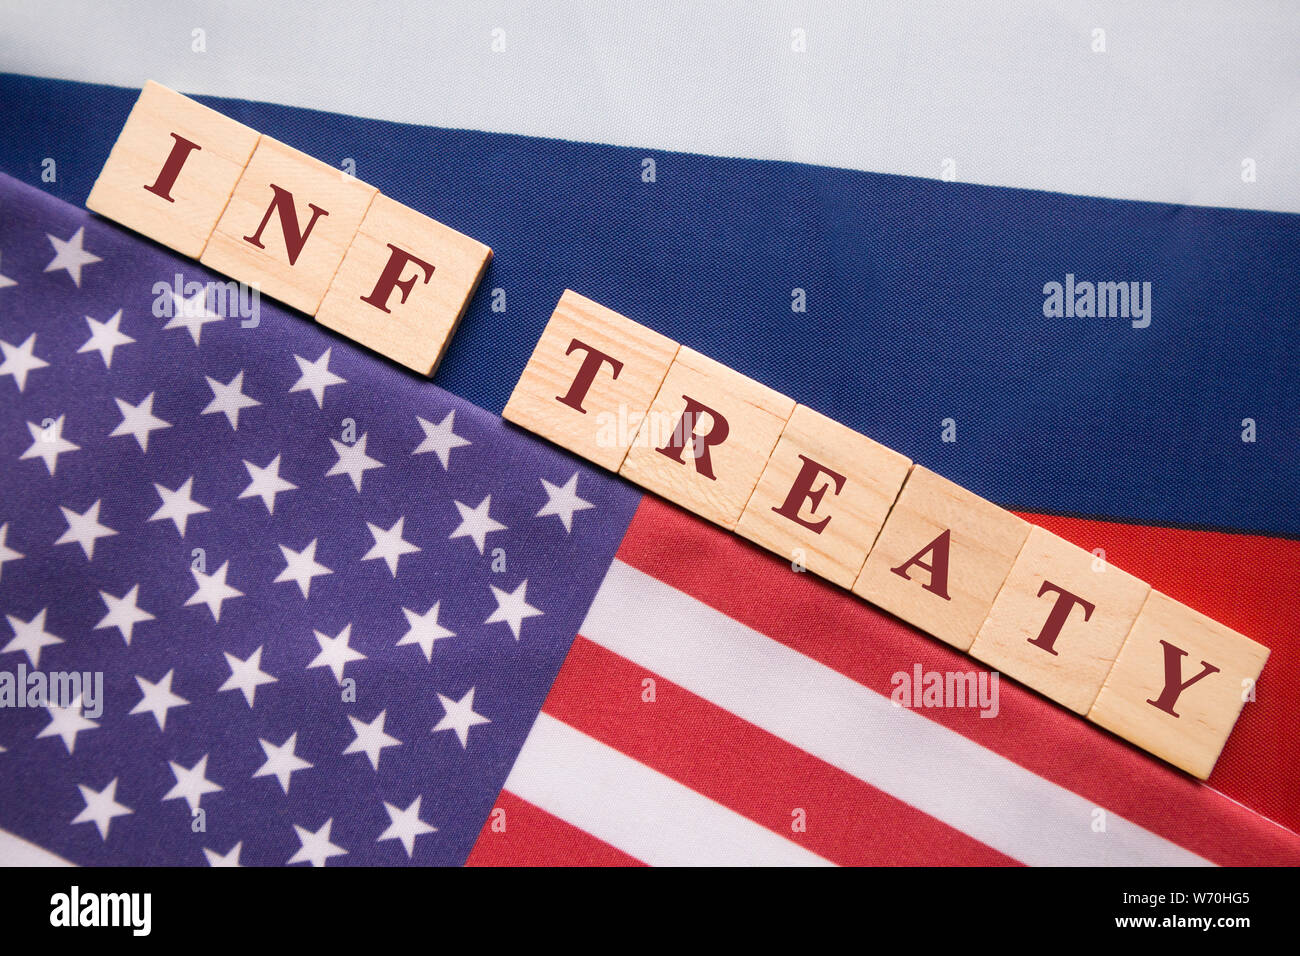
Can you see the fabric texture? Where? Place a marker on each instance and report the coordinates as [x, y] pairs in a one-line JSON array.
[[923, 316]]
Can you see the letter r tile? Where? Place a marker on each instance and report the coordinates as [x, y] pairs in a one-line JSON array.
[[823, 496], [1059, 620], [590, 380], [707, 437], [1179, 684], [287, 225], [172, 169], [941, 557], [403, 285]]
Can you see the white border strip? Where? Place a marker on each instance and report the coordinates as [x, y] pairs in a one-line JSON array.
[[1011, 91]]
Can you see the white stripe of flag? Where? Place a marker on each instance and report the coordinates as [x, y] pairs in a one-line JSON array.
[[633, 807]]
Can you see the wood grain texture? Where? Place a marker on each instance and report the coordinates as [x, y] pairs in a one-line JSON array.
[[814, 457], [981, 542], [299, 282], [1206, 710], [613, 405], [1059, 620], [203, 184], [751, 415], [439, 266]]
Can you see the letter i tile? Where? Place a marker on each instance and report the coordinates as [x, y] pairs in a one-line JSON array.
[[172, 169]]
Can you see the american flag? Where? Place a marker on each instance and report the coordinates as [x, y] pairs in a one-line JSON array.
[[327, 598], [349, 618]]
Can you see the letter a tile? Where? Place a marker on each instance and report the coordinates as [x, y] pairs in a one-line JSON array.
[[1178, 684], [823, 496], [403, 285], [590, 380], [1059, 620], [941, 557], [707, 437], [288, 224], [172, 169]]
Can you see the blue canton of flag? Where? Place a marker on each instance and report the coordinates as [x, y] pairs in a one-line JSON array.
[[327, 598]]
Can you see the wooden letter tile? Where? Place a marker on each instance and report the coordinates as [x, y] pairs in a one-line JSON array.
[[823, 496], [1178, 684], [590, 380], [941, 557], [403, 285], [707, 437], [172, 169], [287, 225], [1059, 620]]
